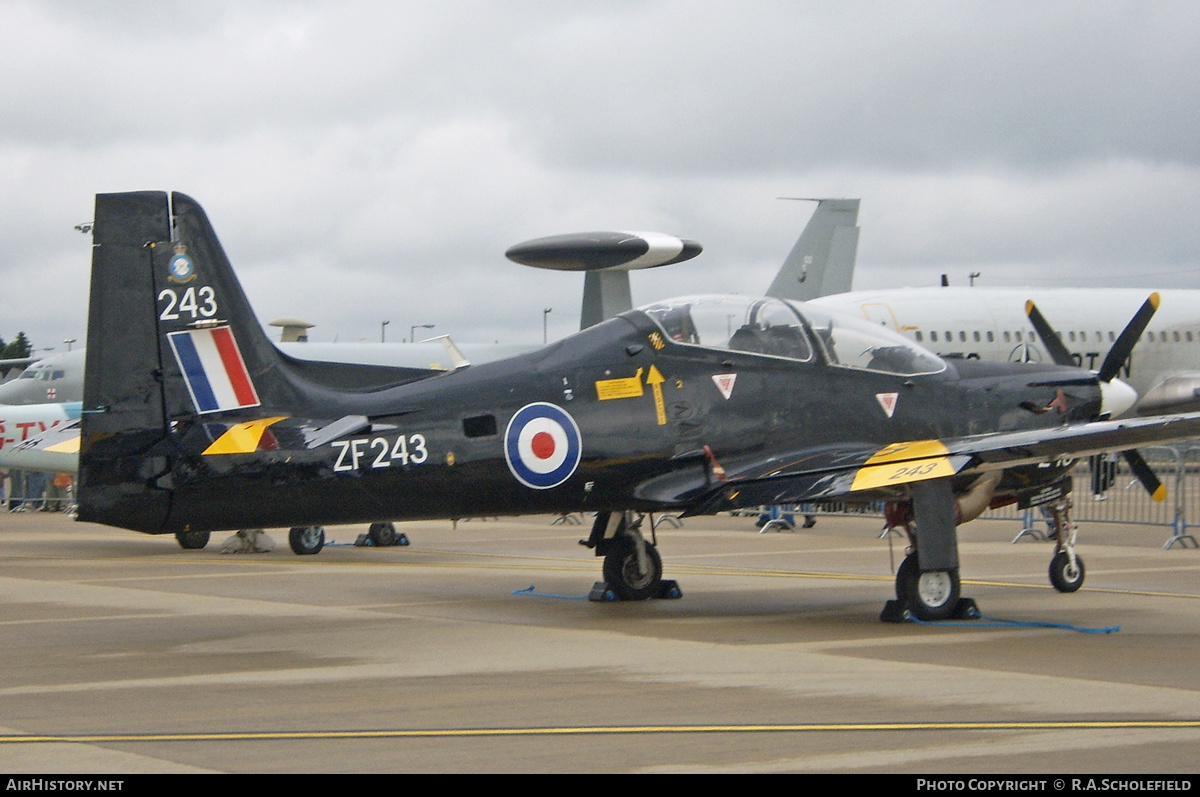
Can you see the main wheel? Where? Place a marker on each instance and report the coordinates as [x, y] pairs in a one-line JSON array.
[[932, 595], [192, 540], [1063, 576], [623, 575], [307, 540], [382, 534]]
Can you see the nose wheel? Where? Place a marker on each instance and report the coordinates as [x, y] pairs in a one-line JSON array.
[[1066, 572], [1066, 568]]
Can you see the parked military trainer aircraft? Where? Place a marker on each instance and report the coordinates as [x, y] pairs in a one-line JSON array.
[[193, 421]]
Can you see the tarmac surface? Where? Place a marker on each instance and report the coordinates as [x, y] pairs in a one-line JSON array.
[[123, 653]]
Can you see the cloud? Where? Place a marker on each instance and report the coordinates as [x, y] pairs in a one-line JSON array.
[[370, 161]]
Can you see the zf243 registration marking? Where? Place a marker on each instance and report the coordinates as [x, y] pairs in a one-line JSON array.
[[379, 452], [195, 302]]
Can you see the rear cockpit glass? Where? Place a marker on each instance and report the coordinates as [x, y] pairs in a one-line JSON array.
[[776, 328], [857, 343]]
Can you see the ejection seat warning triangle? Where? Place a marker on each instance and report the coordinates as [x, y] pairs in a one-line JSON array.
[[888, 402], [724, 383]]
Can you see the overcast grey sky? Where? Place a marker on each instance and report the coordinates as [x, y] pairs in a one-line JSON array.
[[370, 161]]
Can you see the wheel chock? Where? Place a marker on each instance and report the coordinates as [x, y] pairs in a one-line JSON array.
[[667, 590], [365, 541], [601, 593], [896, 612], [966, 609]]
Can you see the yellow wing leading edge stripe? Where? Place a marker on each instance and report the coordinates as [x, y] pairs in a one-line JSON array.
[[901, 463]]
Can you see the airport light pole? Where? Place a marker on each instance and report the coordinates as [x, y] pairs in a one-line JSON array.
[[69, 341], [383, 330], [412, 331], [545, 314]]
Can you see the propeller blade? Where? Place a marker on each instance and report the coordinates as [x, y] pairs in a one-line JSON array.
[[1120, 350], [1058, 352], [1144, 474]]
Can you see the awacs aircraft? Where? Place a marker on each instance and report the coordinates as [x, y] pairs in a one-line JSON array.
[[193, 421], [820, 262]]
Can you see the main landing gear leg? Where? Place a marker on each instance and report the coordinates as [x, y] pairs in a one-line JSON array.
[[1066, 568], [632, 566], [927, 583]]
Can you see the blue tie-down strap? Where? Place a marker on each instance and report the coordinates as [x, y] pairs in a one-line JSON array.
[[530, 591]]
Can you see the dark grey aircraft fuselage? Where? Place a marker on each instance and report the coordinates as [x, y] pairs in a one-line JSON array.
[[436, 447]]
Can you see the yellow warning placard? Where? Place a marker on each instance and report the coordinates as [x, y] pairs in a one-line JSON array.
[[626, 387]]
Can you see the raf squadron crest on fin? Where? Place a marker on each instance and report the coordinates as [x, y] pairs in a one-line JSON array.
[[181, 268]]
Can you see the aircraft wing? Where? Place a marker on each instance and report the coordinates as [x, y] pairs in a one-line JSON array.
[[868, 474]]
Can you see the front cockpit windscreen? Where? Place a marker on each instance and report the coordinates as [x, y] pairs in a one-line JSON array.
[[777, 328]]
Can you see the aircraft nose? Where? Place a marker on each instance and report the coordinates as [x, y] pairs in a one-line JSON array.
[[1116, 397]]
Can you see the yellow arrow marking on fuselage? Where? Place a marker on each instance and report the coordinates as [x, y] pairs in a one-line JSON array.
[[625, 387], [655, 379], [241, 438]]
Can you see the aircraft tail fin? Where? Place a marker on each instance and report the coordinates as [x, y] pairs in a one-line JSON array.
[[457, 358], [822, 261], [174, 344]]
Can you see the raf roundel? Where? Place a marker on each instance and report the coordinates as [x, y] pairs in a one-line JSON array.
[[542, 445]]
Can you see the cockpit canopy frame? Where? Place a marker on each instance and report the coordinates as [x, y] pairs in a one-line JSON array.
[[789, 330]]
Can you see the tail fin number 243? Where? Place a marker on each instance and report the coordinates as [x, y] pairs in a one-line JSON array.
[[197, 302]]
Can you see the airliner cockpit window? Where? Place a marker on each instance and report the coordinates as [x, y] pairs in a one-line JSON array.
[[857, 343], [737, 323]]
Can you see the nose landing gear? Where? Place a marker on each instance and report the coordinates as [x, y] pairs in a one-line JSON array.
[[632, 567]]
